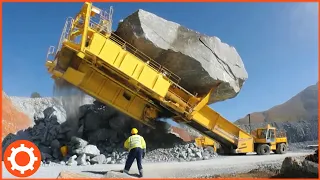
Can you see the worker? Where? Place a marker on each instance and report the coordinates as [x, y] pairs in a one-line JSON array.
[[136, 146]]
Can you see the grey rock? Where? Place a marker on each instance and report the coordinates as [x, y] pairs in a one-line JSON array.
[[102, 134], [112, 162], [199, 154], [48, 112], [202, 62], [45, 149], [55, 144], [205, 157], [123, 160], [176, 153], [118, 123], [92, 121], [183, 155], [45, 156], [84, 109], [78, 151], [91, 150], [38, 116], [56, 153], [20, 135], [80, 131], [38, 132], [310, 166], [195, 150], [108, 160], [81, 160], [117, 156], [78, 143], [191, 155], [295, 167], [88, 158], [108, 149], [114, 154], [72, 161], [100, 159]]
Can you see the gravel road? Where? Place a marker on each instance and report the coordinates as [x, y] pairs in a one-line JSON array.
[[219, 165]]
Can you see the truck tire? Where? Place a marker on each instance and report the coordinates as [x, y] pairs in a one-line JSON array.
[[223, 151], [263, 149], [281, 149]]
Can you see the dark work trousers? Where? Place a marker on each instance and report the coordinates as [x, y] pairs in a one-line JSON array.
[[135, 153]]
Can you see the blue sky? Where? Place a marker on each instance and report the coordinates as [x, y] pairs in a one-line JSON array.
[[278, 44]]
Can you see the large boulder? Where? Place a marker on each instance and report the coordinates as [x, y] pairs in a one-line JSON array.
[[298, 168], [202, 62]]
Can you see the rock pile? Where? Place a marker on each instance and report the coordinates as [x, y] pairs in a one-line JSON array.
[[99, 137], [86, 154], [183, 152], [35, 106]]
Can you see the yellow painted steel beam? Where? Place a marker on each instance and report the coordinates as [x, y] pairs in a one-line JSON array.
[[113, 71]]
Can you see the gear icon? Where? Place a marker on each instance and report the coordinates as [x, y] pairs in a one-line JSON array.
[[15, 151]]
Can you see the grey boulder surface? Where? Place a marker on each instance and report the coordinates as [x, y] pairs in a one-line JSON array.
[[202, 62]]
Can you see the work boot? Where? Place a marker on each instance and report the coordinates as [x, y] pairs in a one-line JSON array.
[[141, 173], [125, 171]]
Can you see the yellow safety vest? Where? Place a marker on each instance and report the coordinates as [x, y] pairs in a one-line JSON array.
[[135, 141]]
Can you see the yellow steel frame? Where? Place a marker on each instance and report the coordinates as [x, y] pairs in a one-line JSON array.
[[113, 71]]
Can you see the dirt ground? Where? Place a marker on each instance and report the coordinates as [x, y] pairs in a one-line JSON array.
[[218, 167], [251, 174]]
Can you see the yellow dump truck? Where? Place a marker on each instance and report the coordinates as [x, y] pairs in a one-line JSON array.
[[268, 138], [98, 62]]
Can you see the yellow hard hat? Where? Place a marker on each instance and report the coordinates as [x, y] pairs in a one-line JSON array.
[[134, 131], [64, 150]]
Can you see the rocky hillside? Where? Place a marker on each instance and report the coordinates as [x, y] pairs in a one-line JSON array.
[[298, 116], [12, 118]]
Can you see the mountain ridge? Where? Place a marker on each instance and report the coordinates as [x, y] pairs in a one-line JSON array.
[[302, 106], [298, 116]]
